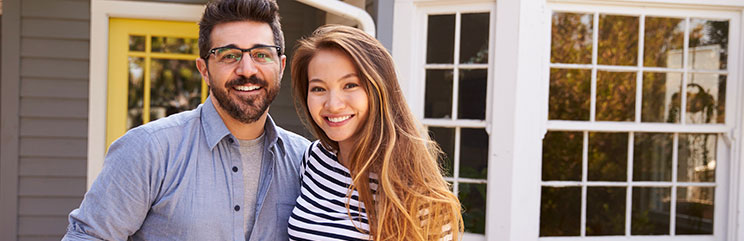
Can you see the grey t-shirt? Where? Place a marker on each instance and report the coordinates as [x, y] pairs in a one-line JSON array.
[[251, 152]]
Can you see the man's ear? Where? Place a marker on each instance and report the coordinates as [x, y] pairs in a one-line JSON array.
[[284, 62], [201, 65]]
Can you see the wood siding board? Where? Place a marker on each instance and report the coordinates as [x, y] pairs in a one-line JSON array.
[[46, 206], [52, 167], [54, 147], [54, 127], [61, 9], [37, 226], [55, 28], [55, 48], [54, 88], [9, 109], [51, 187], [54, 68], [54, 108]]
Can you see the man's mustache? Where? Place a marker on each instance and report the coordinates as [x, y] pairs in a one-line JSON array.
[[243, 81]]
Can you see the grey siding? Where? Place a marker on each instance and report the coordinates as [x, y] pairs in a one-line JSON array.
[[9, 98]]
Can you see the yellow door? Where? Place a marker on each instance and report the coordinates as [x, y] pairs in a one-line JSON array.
[[152, 72]]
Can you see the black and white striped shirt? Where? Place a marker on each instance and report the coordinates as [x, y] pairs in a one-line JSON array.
[[320, 212]]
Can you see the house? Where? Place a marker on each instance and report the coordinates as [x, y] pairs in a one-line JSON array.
[[560, 119]]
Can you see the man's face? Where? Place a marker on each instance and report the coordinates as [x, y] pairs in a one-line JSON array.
[[244, 89]]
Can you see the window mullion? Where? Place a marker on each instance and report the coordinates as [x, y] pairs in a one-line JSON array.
[[456, 160], [584, 172], [629, 181], [593, 93], [673, 197], [456, 70], [685, 73], [147, 79], [639, 73]]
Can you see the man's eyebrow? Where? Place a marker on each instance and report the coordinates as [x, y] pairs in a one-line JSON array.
[[236, 47]]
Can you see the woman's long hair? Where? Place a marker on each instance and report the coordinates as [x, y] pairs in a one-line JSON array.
[[413, 201]]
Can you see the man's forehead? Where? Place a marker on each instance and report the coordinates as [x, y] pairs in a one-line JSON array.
[[243, 34]]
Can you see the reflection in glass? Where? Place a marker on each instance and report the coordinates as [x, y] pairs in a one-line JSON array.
[[135, 92], [571, 38], [616, 96], [473, 153], [560, 211], [561, 156], [438, 97], [608, 156], [471, 103], [176, 86], [473, 198], [652, 156], [697, 158], [706, 99], [661, 97], [695, 210], [605, 211], [445, 137], [474, 38], [175, 45], [136, 43], [650, 214], [618, 40], [570, 94], [440, 39], [663, 42], [708, 44]]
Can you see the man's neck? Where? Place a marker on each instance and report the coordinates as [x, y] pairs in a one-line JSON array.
[[242, 131]]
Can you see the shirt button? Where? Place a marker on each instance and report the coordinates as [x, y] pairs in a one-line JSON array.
[[230, 140], [237, 208], [235, 169]]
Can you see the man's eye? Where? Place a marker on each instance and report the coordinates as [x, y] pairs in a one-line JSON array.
[[230, 56]]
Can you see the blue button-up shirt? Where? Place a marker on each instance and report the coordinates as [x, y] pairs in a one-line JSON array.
[[173, 179]]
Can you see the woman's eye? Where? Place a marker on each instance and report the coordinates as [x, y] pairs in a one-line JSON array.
[[316, 89], [350, 85]]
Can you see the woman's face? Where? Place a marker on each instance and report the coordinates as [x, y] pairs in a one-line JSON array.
[[335, 98]]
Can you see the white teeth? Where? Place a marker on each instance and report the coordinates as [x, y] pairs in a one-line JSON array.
[[339, 119], [247, 88]]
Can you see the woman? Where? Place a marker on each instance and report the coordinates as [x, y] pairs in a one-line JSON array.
[[371, 151]]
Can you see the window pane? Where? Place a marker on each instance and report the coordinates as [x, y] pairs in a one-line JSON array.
[[135, 92], [618, 40], [650, 214], [445, 137], [571, 38], [661, 101], [438, 99], [473, 198], [561, 157], [570, 94], [616, 96], [605, 211], [440, 39], [663, 42], [608, 156], [176, 86], [473, 153], [695, 210], [474, 38], [175, 45], [471, 103], [136, 43], [560, 211], [708, 44], [652, 157], [697, 158], [706, 98]]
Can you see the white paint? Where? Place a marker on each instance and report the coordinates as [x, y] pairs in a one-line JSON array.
[[347, 11]]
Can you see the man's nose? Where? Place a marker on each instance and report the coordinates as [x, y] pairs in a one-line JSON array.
[[246, 66]]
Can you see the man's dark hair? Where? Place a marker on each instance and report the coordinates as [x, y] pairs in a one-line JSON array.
[[225, 11]]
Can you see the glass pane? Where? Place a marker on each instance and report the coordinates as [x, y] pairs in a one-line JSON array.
[[708, 44], [471, 103], [570, 94], [616, 96], [605, 211], [175, 45], [697, 158], [440, 39], [438, 97], [560, 211], [176, 86], [650, 214], [608, 156], [474, 38], [652, 157], [618, 40], [473, 198], [136, 43], [663, 42], [571, 38], [706, 99], [695, 210], [561, 157], [445, 137], [135, 92], [473, 153], [661, 97]]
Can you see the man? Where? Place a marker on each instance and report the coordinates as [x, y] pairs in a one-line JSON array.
[[222, 171]]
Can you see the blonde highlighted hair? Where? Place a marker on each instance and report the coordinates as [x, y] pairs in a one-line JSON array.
[[413, 201]]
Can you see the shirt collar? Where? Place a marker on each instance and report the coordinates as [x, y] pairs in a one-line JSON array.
[[215, 129]]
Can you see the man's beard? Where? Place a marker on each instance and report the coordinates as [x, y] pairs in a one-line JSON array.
[[246, 110]]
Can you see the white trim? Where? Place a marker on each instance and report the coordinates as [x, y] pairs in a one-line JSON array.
[[101, 11], [736, 221], [696, 4], [345, 10]]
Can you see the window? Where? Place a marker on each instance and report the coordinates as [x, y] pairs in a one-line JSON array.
[[639, 111]]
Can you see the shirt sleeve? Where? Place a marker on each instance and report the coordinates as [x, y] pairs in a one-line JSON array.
[[120, 197]]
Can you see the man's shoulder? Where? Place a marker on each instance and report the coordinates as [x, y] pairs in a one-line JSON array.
[[175, 123]]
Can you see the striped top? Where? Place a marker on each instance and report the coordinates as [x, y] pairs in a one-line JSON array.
[[320, 212]]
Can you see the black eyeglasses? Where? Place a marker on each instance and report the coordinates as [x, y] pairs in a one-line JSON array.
[[261, 54]]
